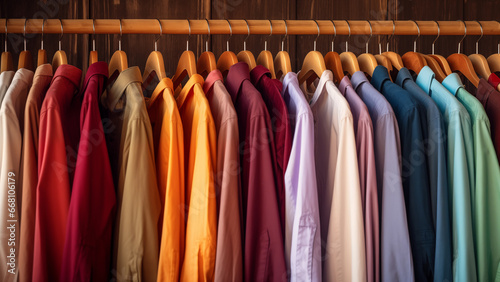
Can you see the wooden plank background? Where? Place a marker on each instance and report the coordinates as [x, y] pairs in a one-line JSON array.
[[138, 46]]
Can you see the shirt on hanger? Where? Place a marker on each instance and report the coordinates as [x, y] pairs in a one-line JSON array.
[[435, 155], [264, 254], [41, 83], [5, 80], [363, 130], [199, 164], [229, 256], [87, 249], [11, 140], [58, 147], [494, 80], [338, 183], [396, 262], [460, 174], [490, 99], [168, 140], [271, 94], [486, 195], [130, 148], [302, 233]]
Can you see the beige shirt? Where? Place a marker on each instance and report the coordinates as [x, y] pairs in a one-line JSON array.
[[5, 80], [339, 195], [130, 145], [11, 128], [41, 83]]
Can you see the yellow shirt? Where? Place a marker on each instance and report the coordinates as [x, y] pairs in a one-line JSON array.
[[169, 149], [200, 162]]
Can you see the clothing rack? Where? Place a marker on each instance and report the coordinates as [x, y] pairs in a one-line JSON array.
[[239, 26]]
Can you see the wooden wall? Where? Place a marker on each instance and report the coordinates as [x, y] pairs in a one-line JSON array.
[[139, 46]]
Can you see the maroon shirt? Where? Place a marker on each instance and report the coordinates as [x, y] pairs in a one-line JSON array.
[[490, 98], [264, 252], [87, 250], [271, 93]]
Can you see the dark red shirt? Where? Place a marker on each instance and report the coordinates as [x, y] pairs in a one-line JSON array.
[[87, 250], [490, 98], [264, 251], [271, 93], [494, 80]]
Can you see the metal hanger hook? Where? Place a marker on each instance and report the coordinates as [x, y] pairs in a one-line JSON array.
[[93, 34], [43, 24], [369, 38], [465, 34], [439, 32], [418, 36], [390, 37], [349, 37], [159, 36], [316, 39], [206, 42], [62, 33], [477, 42], [24, 33], [230, 35], [189, 36], [334, 35], [248, 35], [267, 38], [284, 37], [120, 38]]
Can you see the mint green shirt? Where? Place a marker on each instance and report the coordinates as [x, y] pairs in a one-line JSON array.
[[486, 195], [460, 173]]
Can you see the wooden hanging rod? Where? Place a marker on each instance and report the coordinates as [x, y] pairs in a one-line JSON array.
[[151, 26]]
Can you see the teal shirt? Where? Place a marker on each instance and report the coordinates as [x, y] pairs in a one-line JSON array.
[[460, 173], [486, 195]]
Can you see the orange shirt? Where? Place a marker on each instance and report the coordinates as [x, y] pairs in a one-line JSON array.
[[200, 162]]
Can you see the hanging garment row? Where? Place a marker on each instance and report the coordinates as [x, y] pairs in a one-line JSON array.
[[236, 171]]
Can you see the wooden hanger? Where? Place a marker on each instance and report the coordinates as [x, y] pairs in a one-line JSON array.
[[479, 61], [245, 55], [349, 61], [412, 60], [42, 55], [93, 54], [155, 63], [313, 65], [25, 59], [461, 63], [6, 59], [282, 64], [444, 68], [265, 57], [60, 56], [393, 57], [494, 61], [206, 62], [227, 58], [367, 62], [435, 67], [186, 64], [332, 59], [118, 62]]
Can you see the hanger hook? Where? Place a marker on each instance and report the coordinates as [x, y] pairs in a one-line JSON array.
[[477, 42], [206, 42], [189, 36], [62, 33], [415, 41], [120, 38], [24, 33], [317, 25], [390, 37], [248, 35], [267, 38], [93, 34], [439, 32], [43, 24], [349, 37], [465, 34], [284, 37], [334, 35], [159, 36], [230, 35], [371, 34]]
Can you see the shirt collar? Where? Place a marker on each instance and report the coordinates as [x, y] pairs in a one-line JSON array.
[[344, 83], [258, 72], [358, 78], [380, 75], [212, 77], [403, 75], [452, 82], [425, 78], [71, 73], [25, 75], [238, 73], [44, 70], [494, 80], [288, 79], [484, 90], [325, 77], [97, 68], [193, 80], [160, 87], [124, 79]]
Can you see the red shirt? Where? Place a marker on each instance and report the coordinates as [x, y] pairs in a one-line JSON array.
[[490, 98], [264, 252], [494, 80], [271, 94], [58, 141], [87, 250]]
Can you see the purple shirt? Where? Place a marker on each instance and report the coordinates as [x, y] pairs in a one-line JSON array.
[[363, 130], [396, 258]]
